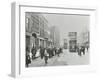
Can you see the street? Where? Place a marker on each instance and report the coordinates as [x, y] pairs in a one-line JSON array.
[[46, 34], [65, 58]]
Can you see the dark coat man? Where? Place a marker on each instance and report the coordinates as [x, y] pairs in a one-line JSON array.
[[49, 52], [45, 56], [79, 51], [42, 52], [28, 59], [52, 52], [83, 49], [55, 51], [33, 51]]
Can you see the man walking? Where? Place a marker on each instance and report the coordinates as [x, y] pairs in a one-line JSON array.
[[83, 50], [46, 56], [33, 51], [41, 52], [28, 59]]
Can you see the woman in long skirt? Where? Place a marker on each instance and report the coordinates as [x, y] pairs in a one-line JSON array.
[[46, 56]]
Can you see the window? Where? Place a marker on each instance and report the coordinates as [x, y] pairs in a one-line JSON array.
[[27, 23]]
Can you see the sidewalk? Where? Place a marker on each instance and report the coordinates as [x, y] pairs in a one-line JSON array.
[[40, 62]]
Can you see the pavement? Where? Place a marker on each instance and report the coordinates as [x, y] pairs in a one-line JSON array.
[[65, 58]]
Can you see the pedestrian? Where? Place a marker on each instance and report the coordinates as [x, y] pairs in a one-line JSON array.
[[52, 54], [87, 48], [83, 50], [33, 51], [55, 51], [49, 52], [41, 52], [58, 52], [79, 50], [28, 59], [27, 48], [46, 56], [38, 53], [60, 49]]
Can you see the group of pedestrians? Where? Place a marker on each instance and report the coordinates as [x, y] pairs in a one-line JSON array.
[[81, 49], [48, 53], [43, 53]]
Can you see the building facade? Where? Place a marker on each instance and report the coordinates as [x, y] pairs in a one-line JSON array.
[[37, 31], [55, 36], [83, 39], [32, 29], [72, 41]]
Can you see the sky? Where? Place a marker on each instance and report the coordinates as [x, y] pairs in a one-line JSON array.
[[68, 23]]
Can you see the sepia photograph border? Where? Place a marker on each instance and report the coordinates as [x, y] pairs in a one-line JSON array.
[[18, 68]]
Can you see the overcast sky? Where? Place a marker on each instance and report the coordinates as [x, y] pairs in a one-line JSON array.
[[68, 23]]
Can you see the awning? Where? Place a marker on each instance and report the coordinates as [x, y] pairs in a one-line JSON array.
[[28, 34]]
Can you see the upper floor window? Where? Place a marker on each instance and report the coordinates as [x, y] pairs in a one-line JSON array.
[[27, 20], [27, 24]]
